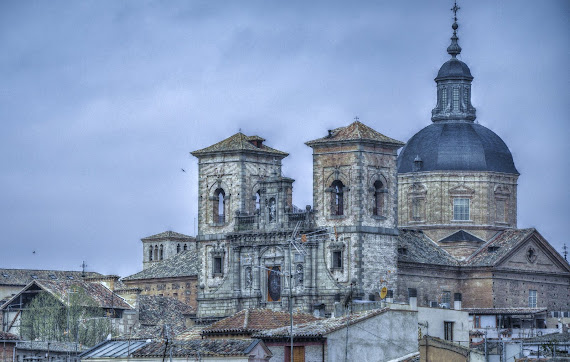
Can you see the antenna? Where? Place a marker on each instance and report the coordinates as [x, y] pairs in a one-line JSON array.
[[83, 266], [565, 248]]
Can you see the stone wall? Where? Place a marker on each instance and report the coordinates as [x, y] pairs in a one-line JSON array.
[[185, 289]]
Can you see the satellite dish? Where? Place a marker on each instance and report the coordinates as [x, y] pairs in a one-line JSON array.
[[383, 292]]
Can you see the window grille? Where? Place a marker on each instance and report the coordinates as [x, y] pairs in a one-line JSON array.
[[460, 209]]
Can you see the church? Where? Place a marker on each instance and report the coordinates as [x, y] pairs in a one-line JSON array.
[[434, 218]]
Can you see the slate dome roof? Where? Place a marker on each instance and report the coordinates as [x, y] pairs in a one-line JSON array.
[[453, 69], [461, 146]]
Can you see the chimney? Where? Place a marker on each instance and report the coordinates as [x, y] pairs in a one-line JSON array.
[[457, 301], [413, 298], [390, 296]]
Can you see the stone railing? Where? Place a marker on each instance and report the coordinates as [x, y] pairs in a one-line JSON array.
[[254, 222]]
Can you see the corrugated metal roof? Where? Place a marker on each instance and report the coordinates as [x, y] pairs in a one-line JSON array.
[[114, 349]]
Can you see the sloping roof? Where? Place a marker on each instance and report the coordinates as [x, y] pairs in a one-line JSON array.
[[198, 347], [183, 264], [498, 247], [239, 143], [5, 336], [53, 346], [113, 349], [172, 235], [461, 235], [414, 246], [23, 277], [551, 337], [319, 328], [252, 320], [60, 289], [356, 131], [159, 310], [496, 311]]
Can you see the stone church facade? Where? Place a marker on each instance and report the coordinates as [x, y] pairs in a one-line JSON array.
[[438, 221]]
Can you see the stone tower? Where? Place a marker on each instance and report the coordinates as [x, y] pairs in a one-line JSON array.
[[355, 194], [457, 179]]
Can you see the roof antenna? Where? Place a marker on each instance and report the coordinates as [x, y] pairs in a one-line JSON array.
[[83, 266], [565, 248]]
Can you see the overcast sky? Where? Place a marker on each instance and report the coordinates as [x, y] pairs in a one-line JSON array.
[[102, 101]]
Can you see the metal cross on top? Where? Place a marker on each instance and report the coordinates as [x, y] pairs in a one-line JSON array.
[[356, 118], [455, 8]]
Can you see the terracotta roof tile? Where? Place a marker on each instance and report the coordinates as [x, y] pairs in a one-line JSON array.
[[239, 142], [356, 131], [24, 276], [248, 321], [495, 311]]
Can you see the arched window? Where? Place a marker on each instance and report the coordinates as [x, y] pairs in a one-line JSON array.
[[337, 198], [156, 252], [161, 253], [257, 202], [185, 247], [150, 254], [177, 248], [219, 206], [379, 195]]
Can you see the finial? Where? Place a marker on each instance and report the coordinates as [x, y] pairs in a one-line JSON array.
[[453, 49]]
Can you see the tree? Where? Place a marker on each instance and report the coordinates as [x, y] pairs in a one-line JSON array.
[[77, 319]]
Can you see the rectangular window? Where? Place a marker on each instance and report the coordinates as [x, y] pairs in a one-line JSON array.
[[460, 209], [532, 298], [298, 353], [417, 208], [477, 321], [446, 299], [456, 100], [337, 259], [218, 265], [501, 207], [448, 331]]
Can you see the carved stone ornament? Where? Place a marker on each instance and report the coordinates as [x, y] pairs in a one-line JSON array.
[[531, 254]]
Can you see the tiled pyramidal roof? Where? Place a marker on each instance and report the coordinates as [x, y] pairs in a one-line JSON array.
[[461, 235], [184, 264], [248, 321], [242, 143], [356, 131], [171, 235]]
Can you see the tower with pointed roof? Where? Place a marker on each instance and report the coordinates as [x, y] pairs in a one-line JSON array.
[[354, 192], [457, 179]]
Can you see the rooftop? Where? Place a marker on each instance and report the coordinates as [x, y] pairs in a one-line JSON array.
[[497, 311], [171, 235], [414, 246], [356, 131], [183, 264], [198, 348], [240, 143], [318, 328], [494, 250], [248, 321], [25, 276]]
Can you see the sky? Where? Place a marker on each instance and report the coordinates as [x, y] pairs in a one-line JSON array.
[[102, 101]]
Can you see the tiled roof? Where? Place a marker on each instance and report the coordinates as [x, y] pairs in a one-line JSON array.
[[318, 328], [157, 310], [189, 334], [461, 235], [241, 143], [183, 264], [169, 235], [101, 295], [494, 250], [53, 346], [496, 311], [5, 336], [414, 246], [356, 131], [248, 321], [198, 348], [551, 337], [24, 276]]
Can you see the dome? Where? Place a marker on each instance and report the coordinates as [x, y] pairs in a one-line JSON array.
[[453, 69], [460, 146]]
